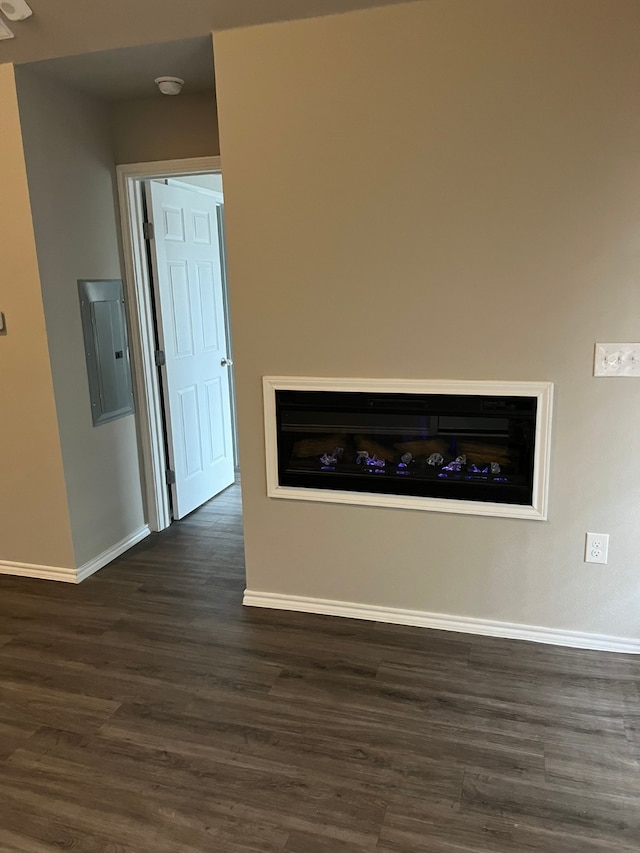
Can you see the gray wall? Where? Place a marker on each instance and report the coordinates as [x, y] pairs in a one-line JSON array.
[[70, 169], [443, 190], [165, 128]]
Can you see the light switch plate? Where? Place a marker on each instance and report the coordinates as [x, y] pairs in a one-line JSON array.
[[616, 360], [5, 32]]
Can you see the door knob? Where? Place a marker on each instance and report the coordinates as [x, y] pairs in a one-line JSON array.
[[226, 362]]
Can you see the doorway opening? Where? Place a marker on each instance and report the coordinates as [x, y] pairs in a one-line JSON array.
[[172, 215]]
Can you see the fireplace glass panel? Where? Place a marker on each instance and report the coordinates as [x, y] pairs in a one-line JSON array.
[[456, 446]]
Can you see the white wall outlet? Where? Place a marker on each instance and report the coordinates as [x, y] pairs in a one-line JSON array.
[[617, 360], [596, 548]]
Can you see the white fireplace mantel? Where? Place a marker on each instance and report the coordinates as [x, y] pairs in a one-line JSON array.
[[543, 391]]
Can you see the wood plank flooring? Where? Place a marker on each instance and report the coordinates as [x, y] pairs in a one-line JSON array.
[[147, 711]]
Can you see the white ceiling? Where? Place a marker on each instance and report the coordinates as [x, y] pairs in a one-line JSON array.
[[129, 72], [207, 182], [73, 27]]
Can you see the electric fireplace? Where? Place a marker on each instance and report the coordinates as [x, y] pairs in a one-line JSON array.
[[472, 447]]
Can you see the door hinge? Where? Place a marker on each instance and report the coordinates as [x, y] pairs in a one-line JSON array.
[[160, 358], [147, 230], [171, 477]]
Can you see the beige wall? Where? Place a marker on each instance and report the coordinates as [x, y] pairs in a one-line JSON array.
[[165, 128], [445, 189], [34, 520], [69, 157]]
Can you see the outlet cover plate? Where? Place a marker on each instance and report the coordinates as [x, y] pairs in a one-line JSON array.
[[596, 549], [616, 360]]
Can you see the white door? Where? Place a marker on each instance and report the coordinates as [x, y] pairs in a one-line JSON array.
[[187, 280]]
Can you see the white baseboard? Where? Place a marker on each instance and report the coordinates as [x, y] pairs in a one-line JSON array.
[[69, 575], [32, 570], [108, 556], [443, 622]]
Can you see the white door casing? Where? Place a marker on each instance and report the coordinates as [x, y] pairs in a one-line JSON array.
[[188, 288]]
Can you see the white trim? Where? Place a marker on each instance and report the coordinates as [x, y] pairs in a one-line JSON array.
[[32, 570], [145, 376], [443, 622], [170, 168], [543, 391], [68, 575], [112, 553]]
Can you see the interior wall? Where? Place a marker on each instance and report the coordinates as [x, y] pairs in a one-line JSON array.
[[34, 518], [70, 167], [165, 127], [443, 190]]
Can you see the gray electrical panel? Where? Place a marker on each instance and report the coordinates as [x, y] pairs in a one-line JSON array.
[[104, 326]]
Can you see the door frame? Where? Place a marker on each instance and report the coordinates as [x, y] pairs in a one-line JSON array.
[[146, 384]]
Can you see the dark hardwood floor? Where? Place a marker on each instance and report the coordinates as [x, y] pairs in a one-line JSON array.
[[147, 711]]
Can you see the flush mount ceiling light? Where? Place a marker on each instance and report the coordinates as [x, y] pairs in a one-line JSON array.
[[16, 10], [169, 85], [5, 32]]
